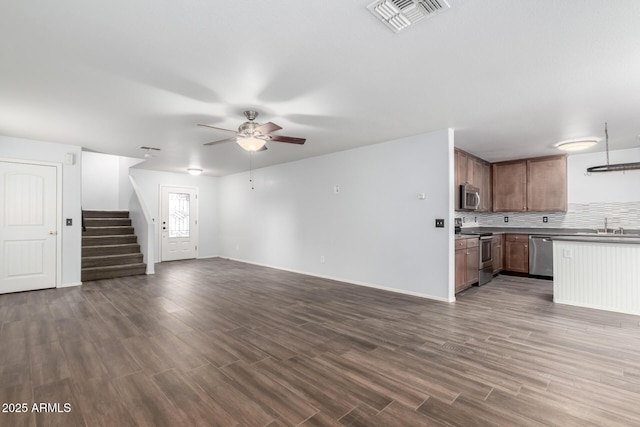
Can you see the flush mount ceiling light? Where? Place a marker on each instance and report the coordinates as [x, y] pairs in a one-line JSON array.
[[399, 14], [194, 171], [576, 144]]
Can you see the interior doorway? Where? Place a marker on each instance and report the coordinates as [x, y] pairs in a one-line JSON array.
[[179, 223], [29, 226]]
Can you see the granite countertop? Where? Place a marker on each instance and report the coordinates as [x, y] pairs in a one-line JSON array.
[[539, 231], [562, 234], [599, 238]]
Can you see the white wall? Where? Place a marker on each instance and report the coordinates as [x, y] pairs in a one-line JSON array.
[[375, 231], [105, 181], [24, 149], [149, 183], [603, 186], [100, 181]]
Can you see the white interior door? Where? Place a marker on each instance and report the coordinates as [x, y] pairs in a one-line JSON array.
[[28, 221], [179, 223]]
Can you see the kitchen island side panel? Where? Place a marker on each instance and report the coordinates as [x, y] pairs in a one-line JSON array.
[[598, 275]]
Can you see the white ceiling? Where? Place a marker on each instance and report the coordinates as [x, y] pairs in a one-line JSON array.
[[510, 77]]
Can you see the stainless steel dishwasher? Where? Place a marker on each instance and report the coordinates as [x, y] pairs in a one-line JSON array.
[[540, 256]]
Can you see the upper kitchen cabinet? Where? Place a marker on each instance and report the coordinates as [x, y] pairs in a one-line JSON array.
[[475, 171], [510, 186], [530, 185], [547, 184]]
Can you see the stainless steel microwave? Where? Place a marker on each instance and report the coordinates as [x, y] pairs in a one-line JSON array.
[[469, 197]]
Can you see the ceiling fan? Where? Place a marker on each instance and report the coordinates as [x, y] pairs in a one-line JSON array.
[[253, 136]]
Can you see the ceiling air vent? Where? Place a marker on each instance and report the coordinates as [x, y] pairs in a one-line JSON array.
[[399, 14]]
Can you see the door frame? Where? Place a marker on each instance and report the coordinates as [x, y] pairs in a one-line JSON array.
[[196, 202], [58, 210]]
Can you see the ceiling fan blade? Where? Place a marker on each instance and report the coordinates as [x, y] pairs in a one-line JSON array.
[[268, 128], [214, 127], [289, 139], [221, 141]]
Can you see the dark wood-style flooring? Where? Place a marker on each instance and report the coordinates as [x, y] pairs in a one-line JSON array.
[[217, 342]]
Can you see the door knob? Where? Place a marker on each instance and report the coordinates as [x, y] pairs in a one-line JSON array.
[[52, 233]]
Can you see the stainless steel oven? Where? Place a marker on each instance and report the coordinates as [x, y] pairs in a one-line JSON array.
[[485, 258]]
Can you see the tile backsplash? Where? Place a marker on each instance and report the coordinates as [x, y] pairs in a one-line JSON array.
[[579, 215]]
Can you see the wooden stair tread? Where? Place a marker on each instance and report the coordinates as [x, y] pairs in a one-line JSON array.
[[116, 267], [109, 246], [105, 214], [109, 256]]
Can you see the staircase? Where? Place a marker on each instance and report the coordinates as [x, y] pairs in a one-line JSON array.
[[109, 246]]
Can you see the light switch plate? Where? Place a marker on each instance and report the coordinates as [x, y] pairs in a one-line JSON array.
[[440, 222]]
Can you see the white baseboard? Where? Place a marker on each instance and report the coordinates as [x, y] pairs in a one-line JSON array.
[[209, 257], [69, 285], [349, 281]]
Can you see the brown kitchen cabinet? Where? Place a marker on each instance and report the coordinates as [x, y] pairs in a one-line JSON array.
[[516, 253], [547, 184], [466, 263], [461, 265], [460, 172], [510, 186], [475, 171], [497, 253], [530, 185], [472, 261]]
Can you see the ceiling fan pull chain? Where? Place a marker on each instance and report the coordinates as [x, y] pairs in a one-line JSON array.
[[251, 169]]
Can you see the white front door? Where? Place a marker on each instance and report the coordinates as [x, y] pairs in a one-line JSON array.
[[179, 223], [28, 221]]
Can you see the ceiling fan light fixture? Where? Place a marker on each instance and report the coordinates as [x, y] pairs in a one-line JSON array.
[[194, 171], [576, 144], [251, 143]]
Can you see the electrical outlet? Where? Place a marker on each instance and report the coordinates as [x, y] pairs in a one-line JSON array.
[[69, 221], [336, 189], [440, 223], [506, 219], [321, 259], [545, 219]]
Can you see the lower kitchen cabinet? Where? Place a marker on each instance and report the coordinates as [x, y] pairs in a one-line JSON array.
[[466, 263], [497, 253], [516, 256]]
